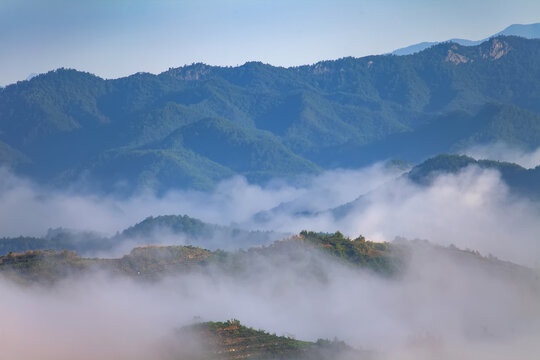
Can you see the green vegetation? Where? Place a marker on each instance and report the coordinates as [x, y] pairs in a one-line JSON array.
[[232, 340], [381, 257], [176, 224], [236, 341], [148, 263], [245, 151], [520, 180], [195, 125]]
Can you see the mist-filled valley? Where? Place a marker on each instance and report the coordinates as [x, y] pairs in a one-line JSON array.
[[377, 207], [453, 272], [402, 300], [447, 200]]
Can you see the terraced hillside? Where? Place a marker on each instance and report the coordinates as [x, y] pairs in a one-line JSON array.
[[234, 341]]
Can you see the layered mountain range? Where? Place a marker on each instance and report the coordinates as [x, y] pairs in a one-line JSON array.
[[192, 126], [529, 31]]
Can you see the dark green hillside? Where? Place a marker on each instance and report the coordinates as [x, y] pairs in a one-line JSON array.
[[124, 170], [379, 257], [520, 181], [507, 123], [176, 224], [525, 182], [255, 154], [452, 132], [195, 125], [198, 233], [232, 340]]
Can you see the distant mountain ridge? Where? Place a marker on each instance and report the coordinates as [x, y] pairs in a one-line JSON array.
[[151, 262], [164, 229], [521, 181], [528, 31], [193, 126]]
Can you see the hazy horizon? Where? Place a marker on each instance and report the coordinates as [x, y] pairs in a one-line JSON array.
[[116, 39]]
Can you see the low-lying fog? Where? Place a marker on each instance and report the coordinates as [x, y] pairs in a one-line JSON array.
[[438, 308], [473, 209]]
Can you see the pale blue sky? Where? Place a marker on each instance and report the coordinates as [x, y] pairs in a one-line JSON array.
[[113, 38]]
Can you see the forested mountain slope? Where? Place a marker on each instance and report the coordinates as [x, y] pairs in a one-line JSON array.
[[519, 180], [195, 125]]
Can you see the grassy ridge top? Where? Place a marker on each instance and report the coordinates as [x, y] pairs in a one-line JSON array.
[[233, 340], [154, 262]]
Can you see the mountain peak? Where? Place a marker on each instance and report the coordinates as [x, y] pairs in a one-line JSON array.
[[529, 31]]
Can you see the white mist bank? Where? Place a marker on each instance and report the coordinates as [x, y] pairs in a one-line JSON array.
[[439, 308], [472, 209], [29, 209], [504, 152]]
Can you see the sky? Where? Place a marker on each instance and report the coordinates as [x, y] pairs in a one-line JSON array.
[[115, 38]]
